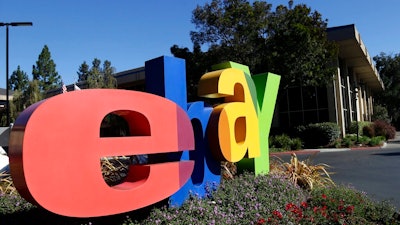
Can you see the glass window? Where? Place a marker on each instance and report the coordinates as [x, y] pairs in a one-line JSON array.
[[294, 99], [309, 98]]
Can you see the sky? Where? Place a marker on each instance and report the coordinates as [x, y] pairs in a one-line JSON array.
[[129, 32]]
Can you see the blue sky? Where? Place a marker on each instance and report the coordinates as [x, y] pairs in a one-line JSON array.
[[128, 33]]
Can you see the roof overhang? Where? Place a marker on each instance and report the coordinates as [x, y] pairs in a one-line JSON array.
[[354, 52]]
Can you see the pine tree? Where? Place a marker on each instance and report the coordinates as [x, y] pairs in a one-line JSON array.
[[45, 72]]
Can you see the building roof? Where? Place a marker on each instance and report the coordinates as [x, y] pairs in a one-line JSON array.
[[354, 52]]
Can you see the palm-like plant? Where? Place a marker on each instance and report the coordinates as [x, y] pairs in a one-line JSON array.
[[303, 173]]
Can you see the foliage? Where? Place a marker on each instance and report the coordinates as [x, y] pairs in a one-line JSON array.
[[10, 201], [361, 125], [237, 201], [290, 41], [344, 205], [350, 140], [284, 143], [369, 131], [98, 76], [319, 134], [83, 72], [248, 199], [45, 72], [388, 67], [298, 47], [18, 80], [303, 173], [384, 129], [380, 113], [377, 141]]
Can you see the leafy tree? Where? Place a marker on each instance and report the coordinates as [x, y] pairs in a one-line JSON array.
[[18, 80], [298, 47], [45, 72], [290, 41], [234, 30], [388, 67]]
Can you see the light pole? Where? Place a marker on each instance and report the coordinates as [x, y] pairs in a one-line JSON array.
[[13, 24]]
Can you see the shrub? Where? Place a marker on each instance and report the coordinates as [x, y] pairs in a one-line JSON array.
[[244, 200], [319, 134], [345, 205], [380, 113], [350, 140], [361, 125], [284, 143], [377, 141], [384, 129], [369, 131], [303, 173]]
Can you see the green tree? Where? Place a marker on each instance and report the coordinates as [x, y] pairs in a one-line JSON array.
[[388, 67], [45, 72], [83, 72], [33, 93], [290, 41], [18, 80], [234, 30], [298, 47], [19, 83], [101, 77]]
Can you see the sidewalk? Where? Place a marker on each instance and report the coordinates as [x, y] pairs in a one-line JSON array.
[[391, 143]]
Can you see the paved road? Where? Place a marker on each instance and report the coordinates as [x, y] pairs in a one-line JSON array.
[[377, 171]]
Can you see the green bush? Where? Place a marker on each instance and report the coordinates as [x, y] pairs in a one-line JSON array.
[[381, 113], [319, 134], [377, 141], [283, 142], [350, 140], [361, 125]]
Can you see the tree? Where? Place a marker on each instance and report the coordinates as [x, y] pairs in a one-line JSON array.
[[83, 72], [388, 67], [290, 41], [298, 47], [19, 83], [97, 76], [33, 94], [18, 80], [233, 30], [45, 72]]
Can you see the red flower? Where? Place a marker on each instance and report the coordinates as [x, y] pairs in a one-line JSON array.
[[323, 196], [304, 204], [277, 214], [261, 221], [289, 206], [350, 209]]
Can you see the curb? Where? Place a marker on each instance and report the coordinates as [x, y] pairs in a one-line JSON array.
[[323, 150]]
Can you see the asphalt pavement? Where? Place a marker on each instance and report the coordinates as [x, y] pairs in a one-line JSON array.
[[374, 170]]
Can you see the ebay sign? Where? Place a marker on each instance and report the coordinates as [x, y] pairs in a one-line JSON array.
[[55, 145]]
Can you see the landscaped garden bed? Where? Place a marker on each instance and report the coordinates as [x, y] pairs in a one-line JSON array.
[[294, 192]]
